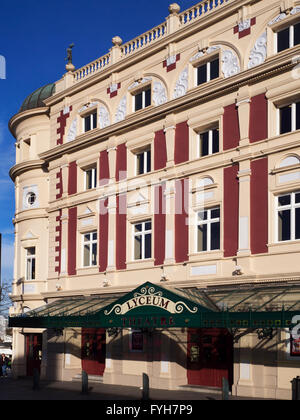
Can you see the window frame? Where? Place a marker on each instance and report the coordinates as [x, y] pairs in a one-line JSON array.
[[143, 153], [293, 106], [90, 115], [94, 179], [209, 223], [291, 27], [292, 208], [142, 91], [206, 63], [210, 142], [30, 259], [91, 242], [143, 234]]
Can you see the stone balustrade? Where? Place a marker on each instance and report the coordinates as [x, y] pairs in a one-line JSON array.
[[199, 10], [174, 22]]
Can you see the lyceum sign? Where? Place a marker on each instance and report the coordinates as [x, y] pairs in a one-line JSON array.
[[148, 297]]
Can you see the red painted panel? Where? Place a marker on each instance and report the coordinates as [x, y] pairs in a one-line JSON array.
[[259, 206], [34, 346], [231, 128], [103, 236], [160, 150], [93, 351], [181, 221], [231, 211], [72, 241], [104, 168], [58, 239], [72, 184], [209, 357], [121, 220], [258, 129], [121, 162], [159, 226], [181, 143], [59, 185]]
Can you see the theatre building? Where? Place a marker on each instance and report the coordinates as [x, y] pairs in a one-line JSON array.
[[157, 222]]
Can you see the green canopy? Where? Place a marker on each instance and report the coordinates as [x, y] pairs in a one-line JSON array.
[[155, 306]]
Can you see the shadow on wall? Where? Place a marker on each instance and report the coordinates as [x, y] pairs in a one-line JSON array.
[[159, 347]]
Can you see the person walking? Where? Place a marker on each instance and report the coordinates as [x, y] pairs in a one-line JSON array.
[[3, 364]]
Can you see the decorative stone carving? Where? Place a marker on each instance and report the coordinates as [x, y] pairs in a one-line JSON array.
[[122, 110], [202, 53], [104, 120], [139, 82], [159, 94], [182, 84], [230, 63], [85, 107], [72, 131], [295, 10], [246, 24], [171, 60], [197, 56], [259, 52], [278, 19]]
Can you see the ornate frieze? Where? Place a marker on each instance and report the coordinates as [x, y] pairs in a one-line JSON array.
[[259, 52], [182, 84], [122, 110], [159, 94]]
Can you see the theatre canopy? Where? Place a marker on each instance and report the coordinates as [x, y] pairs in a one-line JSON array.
[[155, 306]]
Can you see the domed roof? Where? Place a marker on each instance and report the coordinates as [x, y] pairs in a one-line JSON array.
[[35, 100]]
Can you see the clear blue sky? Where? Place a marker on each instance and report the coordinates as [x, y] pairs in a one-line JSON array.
[[34, 35]]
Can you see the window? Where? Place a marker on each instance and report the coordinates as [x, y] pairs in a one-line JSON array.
[[91, 178], [90, 122], [30, 263], [288, 37], [143, 162], [90, 249], [288, 217], [31, 199], [209, 142], [208, 230], [208, 71], [143, 240], [142, 99], [137, 341], [289, 118]]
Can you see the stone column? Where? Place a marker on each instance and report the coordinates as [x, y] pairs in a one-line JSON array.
[[244, 176], [170, 222], [170, 131], [243, 104]]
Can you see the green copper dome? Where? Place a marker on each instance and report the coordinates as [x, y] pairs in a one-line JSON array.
[[35, 100]]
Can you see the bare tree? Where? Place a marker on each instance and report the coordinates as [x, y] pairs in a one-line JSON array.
[[5, 301]]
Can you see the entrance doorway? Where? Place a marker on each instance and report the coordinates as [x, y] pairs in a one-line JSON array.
[[209, 357], [93, 351], [34, 343]]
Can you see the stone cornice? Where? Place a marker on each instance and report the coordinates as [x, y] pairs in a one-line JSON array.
[[274, 65], [16, 119], [20, 168], [250, 281]]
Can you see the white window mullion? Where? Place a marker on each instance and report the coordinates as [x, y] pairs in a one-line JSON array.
[[294, 116], [208, 71], [293, 217], [210, 142], [209, 235], [292, 36]]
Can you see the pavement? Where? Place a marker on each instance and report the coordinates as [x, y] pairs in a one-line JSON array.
[[22, 389]]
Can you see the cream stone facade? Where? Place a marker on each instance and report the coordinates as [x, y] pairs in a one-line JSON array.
[[91, 128]]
